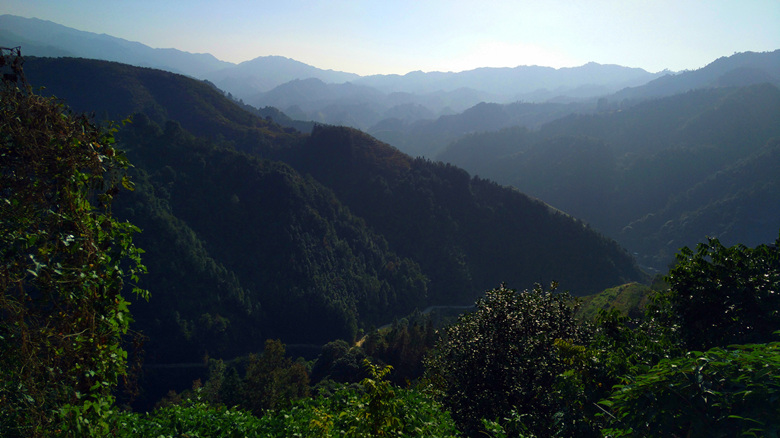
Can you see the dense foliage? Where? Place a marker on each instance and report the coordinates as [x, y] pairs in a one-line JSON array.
[[373, 408], [727, 392], [402, 345], [63, 264], [346, 234], [722, 295], [521, 364], [191, 418], [502, 357]]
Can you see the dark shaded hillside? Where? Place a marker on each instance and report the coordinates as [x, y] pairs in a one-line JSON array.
[[739, 203], [612, 169], [736, 119], [466, 233], [243, 249]]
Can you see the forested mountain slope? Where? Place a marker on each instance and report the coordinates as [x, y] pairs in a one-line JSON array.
[[346, 232], [467, 233], [638, 166], [738, 203], [243, 249]]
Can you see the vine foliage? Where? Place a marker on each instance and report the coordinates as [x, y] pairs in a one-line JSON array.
[[64, 262]]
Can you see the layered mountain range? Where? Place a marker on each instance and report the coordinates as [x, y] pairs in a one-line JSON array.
[[259, 225], [254, 230], [656, 176], [340, 98]]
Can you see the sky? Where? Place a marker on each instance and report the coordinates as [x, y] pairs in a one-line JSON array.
[[398, 36]]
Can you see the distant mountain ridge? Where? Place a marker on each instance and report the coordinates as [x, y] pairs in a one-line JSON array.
[[429, 137], [360, 106], [517, 83], [737, 70], [45, 38], [267, 72]]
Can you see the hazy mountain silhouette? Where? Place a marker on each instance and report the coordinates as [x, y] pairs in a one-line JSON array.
[[261, 74], [428, 137], [360, 106], [45, 38], [518, 83], [740, 69], [439, 93]]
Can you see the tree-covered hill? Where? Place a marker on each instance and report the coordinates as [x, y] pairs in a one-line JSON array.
[[467, 233], [243, 249], [738, 203], [703, 159]]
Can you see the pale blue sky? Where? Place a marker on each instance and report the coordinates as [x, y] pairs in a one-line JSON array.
[[398, 36]]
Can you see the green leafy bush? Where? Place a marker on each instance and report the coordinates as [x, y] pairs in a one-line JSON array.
[[379, 409], [721, 295], [719, 393], [193, 418], [503, 357]]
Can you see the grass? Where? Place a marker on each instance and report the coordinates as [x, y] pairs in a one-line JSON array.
[[630, 299]]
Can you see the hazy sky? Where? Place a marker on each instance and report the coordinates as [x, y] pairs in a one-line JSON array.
[[398, 36]]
